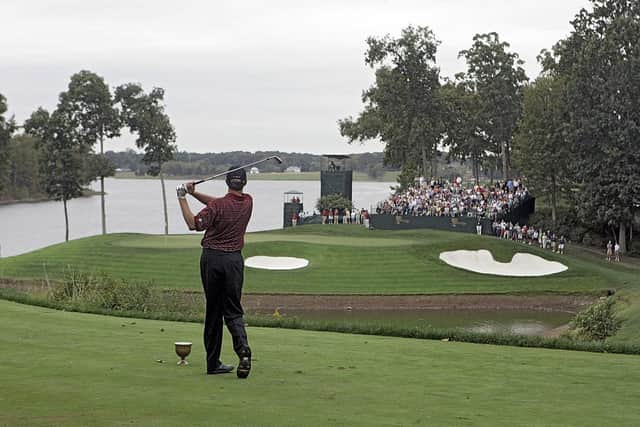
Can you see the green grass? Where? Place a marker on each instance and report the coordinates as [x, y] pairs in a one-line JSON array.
[[343, 260], [74, 369]]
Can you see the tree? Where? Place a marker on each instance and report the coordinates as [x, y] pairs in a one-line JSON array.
[[498, 78], [90, 107], [63, 156], [402, 108], [541, 145], [145, 116], [7, 127], [23, 171], [600, 64], [463, 123], [334, 201]]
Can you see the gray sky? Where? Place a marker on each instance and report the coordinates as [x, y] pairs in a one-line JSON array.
[[248, 75]]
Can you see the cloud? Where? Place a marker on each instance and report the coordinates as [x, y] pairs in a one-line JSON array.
[[255, 74]]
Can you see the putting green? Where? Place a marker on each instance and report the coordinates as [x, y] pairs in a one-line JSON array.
[[73, 369], [193, 241], [343, 260]]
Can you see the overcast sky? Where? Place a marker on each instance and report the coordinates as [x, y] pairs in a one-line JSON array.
[[248, 75]]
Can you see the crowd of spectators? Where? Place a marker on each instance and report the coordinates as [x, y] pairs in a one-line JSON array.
[[345, 216], [444, 198], [546, 239]]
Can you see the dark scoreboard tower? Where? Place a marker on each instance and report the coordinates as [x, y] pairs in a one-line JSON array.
[[336, 176]]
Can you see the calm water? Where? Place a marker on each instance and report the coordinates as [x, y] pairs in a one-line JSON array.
[[135, 205], [525, 322]]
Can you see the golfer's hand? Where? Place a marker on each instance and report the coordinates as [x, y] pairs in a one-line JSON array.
[[191, 187], [181, 191]]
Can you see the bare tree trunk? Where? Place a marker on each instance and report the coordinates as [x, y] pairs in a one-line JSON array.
[[434, 164], [553, 201], [424, 163], [622, 238], [66, 220], [505, 161], [476, 169], [164, 203], [104, 214]]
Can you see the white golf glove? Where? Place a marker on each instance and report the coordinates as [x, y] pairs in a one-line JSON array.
[[181, 191]]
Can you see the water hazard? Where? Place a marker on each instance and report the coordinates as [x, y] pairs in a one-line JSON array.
[[516, 322]]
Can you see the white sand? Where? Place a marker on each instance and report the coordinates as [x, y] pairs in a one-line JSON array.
[[521, 264], [276, 262]]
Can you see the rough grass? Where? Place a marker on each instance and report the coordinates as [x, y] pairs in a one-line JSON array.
[[76, 370]]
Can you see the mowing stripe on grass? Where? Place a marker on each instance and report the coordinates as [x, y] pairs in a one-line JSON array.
[[76, 369]]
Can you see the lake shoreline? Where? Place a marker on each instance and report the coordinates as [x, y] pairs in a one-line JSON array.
[[86, 193]]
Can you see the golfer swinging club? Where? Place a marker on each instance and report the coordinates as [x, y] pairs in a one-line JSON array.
[[225, 220]]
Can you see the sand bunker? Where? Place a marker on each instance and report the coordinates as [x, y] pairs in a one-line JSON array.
[[521, 264], [275, 262]]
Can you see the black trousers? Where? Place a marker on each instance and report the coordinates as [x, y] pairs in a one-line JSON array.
[[222, 275]]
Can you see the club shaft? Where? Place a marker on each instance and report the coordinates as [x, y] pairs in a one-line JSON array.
[[236, 169]]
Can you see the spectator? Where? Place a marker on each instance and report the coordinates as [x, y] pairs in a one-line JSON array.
[[365, 218], [443, 199], [324, 214]]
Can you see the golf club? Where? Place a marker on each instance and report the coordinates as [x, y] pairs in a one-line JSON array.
[[276, 158]]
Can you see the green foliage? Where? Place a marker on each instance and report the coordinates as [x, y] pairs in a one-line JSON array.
[[402, 108], [497, 77], [102, 291], [23, 169], [463, 122], [541, 147], [7, 126], [63, 155], [334, 201], [145, 116], [599, 63], [90, 107], [407, 176], [597, 322]]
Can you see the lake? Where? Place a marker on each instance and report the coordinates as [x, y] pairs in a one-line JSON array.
[[135, 205]]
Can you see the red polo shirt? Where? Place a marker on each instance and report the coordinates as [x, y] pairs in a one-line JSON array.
[[225, 220]]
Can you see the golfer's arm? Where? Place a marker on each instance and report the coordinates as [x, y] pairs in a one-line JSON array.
[[187, 214], [202, 198]]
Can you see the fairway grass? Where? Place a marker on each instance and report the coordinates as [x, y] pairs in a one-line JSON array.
[[72, 369], [343, 260]]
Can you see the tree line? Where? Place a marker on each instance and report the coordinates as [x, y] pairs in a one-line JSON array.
[[58, 153], [573, 133], [204, 164]]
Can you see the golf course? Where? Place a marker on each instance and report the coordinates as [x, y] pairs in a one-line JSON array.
[[85, 369], [88, 369]]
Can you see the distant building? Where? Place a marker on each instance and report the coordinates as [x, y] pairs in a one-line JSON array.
[[254, 170], [293, 169]]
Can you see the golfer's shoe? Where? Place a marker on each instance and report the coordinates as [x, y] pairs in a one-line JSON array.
[[221, 369], [244, 365]]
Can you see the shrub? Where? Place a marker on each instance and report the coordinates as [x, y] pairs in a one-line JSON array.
[[102, 291], [597, 322], [334, 201]]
